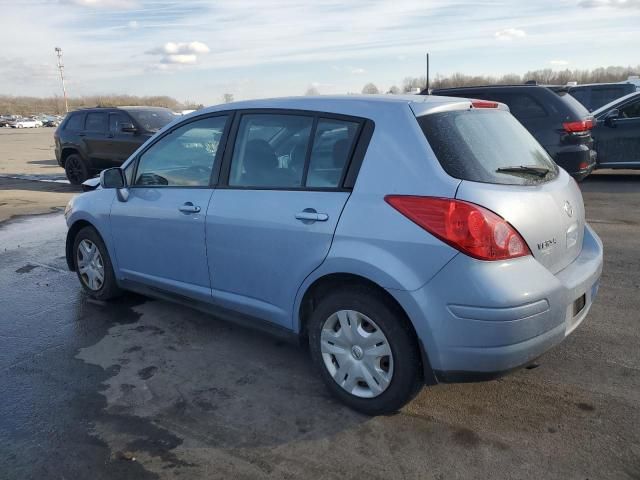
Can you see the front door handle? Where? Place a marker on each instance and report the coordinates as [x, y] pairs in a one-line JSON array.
[[189, 207], [309, 215]]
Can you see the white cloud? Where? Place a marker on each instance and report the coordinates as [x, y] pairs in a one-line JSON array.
[[358, 71], [609, 3], [133, 24], [558, 63], [509, 34], [171, 48], [181, 53], [181, 59], [124, 4]]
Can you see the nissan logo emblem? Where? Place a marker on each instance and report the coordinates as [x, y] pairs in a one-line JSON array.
[[568, 209]]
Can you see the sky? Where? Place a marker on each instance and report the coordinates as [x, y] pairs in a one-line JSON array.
[[197, 50]]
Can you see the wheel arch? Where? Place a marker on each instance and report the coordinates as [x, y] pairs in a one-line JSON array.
[[71, 236], [338, 280], [66, 151]]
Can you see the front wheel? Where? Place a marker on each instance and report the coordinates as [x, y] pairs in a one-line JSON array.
[[76, 170], [93, 265], [365, 350]]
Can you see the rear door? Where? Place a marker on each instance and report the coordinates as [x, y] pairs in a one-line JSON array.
[[273, 222], [96, 141], [618, 142], [122, 144]]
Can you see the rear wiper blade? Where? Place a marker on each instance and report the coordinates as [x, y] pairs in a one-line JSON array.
[[540, 171]]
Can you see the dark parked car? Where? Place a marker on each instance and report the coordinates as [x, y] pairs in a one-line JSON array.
[[93, 139], [617, 133], [556, 119], [595, 95]]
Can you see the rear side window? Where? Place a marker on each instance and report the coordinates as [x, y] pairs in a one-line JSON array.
[[270, 151], [474, 144], [96, 122], [74, 122], [332, 146]]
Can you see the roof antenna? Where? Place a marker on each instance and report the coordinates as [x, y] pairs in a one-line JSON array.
[[427, 86]]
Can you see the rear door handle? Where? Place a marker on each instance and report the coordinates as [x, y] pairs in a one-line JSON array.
[[310, 215], [189, 207]]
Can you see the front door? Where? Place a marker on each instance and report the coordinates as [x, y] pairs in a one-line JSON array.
[[122, 144], [159, 231], [618, 142], [96, 141], [273, 223]]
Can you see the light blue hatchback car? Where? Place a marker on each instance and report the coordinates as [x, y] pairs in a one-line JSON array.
[[409, 240]]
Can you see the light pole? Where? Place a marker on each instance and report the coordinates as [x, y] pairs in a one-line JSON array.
[[61, 68]]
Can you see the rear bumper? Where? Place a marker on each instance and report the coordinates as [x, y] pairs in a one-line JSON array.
[[578, 160], [479, 320]]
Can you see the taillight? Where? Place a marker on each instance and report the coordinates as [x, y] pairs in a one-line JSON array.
[[580, 126], [467, 227], [483, 104]]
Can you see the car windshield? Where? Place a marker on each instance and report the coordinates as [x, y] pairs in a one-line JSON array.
[[152, 120], [489, 146]]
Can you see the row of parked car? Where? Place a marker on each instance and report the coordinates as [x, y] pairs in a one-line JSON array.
[[14, 121], [583, 127]]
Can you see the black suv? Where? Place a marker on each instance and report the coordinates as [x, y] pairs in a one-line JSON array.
[[595, 95], [557, 120], [92, 139]]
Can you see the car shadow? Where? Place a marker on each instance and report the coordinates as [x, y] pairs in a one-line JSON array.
[[45, 163], [37, 183]]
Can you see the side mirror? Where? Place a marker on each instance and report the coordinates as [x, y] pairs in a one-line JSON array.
[[128, 128], [112, 178], [611, 117]]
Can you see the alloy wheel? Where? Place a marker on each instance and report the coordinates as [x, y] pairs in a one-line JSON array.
[[74, 169]]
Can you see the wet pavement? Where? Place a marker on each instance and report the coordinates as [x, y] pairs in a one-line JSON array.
[[140, 388]]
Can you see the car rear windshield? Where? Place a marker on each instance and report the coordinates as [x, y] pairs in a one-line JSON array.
[[577, 111], [152, 120], [489, 146]]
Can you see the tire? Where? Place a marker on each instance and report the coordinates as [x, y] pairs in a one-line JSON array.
[[402, 369], [76, 169], [86, 263]]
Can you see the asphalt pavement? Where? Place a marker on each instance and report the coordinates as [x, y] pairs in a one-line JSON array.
[[140, 388]]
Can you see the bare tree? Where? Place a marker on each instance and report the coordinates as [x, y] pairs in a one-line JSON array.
[[370, 88], [227, 97], [394, 90], [409, 84], [312, 90]]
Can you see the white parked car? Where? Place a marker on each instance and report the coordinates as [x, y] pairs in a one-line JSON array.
[[25, 123]]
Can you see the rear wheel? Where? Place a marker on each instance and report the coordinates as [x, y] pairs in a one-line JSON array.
[[76, 170], [366, 352], [93, 265]]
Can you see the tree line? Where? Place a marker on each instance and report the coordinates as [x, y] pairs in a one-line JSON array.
[[12, 105], [544, 76]]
